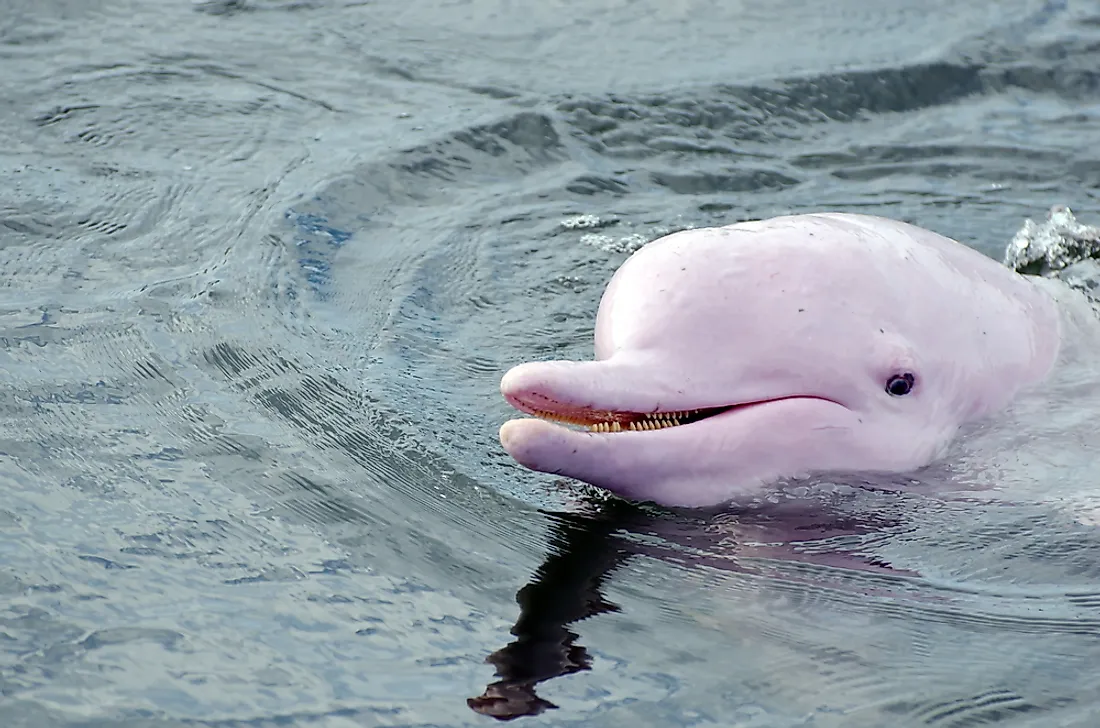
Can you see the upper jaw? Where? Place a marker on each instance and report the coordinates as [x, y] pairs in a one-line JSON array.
[[615, 389], [612, 395], [605, 386]]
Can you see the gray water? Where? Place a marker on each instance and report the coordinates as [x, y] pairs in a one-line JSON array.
[[263, 264]]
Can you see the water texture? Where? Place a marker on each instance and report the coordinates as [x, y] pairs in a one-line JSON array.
[[263, 263]]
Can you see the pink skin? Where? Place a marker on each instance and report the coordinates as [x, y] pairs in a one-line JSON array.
[[799, 321]]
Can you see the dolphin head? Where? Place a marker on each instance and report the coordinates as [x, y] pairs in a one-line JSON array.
[[727, 358]]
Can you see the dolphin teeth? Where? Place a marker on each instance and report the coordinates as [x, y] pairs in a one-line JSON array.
[[613, 426], [605, 422]]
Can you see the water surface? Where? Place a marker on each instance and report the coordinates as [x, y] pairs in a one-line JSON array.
[[265, 262]]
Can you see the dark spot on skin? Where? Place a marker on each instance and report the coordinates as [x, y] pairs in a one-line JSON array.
[[801, 310], [881, 331]]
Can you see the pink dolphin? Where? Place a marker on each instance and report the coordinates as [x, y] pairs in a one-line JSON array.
[[732, 357]]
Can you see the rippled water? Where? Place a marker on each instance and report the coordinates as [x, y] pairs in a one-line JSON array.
[[263, 264]]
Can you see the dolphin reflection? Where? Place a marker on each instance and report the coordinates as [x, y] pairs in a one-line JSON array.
[[587, 548]]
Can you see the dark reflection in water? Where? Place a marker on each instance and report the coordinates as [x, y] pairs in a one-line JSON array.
[[565, 589], [586, 549]]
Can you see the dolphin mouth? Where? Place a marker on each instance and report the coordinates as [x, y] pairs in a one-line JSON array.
[[596, 421], [606, 421]]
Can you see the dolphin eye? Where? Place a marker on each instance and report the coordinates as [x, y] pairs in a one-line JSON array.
[[900, 385]]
